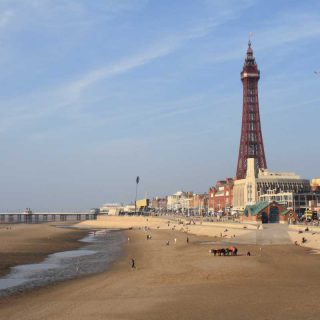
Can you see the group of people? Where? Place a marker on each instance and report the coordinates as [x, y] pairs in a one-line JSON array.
[[175, 241], [232, 251], [303, 240]]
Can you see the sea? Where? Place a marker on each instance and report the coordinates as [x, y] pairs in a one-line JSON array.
[[101, 248]]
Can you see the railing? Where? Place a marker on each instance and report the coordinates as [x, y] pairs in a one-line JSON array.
[[44, 217]]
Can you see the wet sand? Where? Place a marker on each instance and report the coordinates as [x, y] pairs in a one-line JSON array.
[[22, 243], [183, 281]]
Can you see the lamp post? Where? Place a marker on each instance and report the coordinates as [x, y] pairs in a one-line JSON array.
[[135, 201]]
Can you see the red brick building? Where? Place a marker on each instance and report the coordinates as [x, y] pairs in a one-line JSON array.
[[220, 195], [159, 204]]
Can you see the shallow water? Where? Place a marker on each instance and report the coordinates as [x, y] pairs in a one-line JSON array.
[[103, 247], [314, 251]]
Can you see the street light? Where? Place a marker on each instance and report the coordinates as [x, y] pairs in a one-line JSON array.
[[135, 201]]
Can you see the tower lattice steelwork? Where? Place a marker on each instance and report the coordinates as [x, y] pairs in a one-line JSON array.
[[251, 142]]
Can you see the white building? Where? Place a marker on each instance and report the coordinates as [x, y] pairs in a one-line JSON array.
[[179, 201], [111, 209], [263, 185]]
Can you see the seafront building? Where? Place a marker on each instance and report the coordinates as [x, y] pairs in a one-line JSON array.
[[180, 201], [268, 212], [286, 188], [220, 196], [111, 209], [142, 204], [159, 204], [129, 208], [199, 204], [315, 184]]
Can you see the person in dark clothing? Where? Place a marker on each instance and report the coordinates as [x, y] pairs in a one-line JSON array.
[[133, 263], [187, 239]]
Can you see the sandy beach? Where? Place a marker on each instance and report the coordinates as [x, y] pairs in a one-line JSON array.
[[183, 281], [31, 243], [310, 233], [238, 232]]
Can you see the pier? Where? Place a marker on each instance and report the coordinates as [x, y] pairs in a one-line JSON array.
[[41, 217]]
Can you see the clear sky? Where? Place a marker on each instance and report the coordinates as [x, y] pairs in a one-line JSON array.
[[94, 93]]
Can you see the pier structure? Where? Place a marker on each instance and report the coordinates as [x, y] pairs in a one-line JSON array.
[[40, 217]]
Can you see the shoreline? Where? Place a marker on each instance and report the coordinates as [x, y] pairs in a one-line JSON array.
[[26, 244]]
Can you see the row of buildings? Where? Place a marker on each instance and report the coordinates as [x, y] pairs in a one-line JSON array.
[[180, 202], [231, 195], [286, 188]]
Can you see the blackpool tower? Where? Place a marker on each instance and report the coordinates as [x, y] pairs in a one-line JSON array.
[[251, 142]]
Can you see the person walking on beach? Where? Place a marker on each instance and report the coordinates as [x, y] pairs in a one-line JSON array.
[[187, 239], [133, 264]]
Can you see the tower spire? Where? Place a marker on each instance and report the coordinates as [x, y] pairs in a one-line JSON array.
[[249, 50], [251, 142], [249, 39]]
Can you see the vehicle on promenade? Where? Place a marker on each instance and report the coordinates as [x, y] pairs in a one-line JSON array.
[[309, 216]]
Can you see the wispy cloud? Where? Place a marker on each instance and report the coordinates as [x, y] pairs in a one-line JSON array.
[[70, 93], [68, 96], [224, 13], [105, 72]]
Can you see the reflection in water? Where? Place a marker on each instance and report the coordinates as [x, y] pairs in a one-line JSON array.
[[103, 247]]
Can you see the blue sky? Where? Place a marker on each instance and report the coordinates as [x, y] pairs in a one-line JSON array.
[[94, 93]]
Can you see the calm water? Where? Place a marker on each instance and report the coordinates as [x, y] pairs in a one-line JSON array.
[[101, 249]]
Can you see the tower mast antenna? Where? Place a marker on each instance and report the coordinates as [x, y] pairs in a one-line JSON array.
[[250, 37]]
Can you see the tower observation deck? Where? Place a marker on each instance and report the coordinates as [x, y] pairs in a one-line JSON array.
[[251, 142]]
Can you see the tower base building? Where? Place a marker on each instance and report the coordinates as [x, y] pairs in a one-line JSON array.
[[286, 188]]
